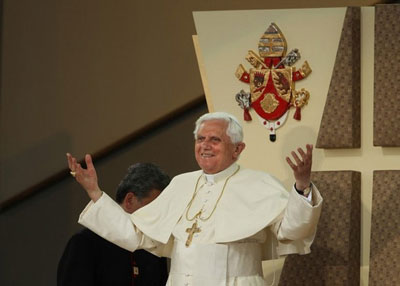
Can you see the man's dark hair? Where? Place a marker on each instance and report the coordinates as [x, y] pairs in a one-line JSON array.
[[140, 180]]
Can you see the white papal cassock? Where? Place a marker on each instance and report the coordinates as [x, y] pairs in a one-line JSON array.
[[255, 219]]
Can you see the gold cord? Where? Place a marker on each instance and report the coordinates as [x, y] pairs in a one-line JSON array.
[[198, 214]]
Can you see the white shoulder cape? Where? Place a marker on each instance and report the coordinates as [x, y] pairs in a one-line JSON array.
[[252, 201]]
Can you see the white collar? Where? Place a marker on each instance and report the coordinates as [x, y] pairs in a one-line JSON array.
[[214, 178]]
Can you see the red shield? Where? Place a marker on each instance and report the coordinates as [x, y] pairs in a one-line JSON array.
[[271, 91]]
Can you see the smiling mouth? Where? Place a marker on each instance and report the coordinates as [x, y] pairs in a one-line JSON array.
[[204, 155]]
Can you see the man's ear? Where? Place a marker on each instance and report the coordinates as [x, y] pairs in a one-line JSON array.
[[129, 202], [238, 149]]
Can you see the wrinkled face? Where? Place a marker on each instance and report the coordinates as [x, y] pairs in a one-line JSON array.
[[214, 150]]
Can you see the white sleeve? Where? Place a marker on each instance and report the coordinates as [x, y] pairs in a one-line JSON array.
[[107, 219], [295, 229], [300, 218]]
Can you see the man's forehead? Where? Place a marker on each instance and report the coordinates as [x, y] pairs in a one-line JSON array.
[[214, 128], [218, 124]]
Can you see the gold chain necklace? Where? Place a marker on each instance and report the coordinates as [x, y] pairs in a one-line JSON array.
[[194, 227]]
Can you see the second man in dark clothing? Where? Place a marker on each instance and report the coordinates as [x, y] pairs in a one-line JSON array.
[[91, 260]]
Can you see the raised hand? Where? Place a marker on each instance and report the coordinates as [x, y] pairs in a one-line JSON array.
[[87, 178], [302, 166]]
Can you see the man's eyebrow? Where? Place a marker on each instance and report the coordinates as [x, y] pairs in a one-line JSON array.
[[215, 137]]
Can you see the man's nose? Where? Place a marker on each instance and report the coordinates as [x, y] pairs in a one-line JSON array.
[[205, 144]]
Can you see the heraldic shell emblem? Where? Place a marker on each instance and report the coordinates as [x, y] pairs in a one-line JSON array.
[[271, 81]]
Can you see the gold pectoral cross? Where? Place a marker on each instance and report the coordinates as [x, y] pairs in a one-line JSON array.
[[191, 232]]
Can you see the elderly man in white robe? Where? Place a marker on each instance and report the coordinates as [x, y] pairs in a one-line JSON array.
[[216, 224]]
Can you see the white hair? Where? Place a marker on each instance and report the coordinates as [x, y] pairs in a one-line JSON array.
[[234, 129]]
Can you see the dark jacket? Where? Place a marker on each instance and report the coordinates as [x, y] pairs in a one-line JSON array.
[[90, 260]]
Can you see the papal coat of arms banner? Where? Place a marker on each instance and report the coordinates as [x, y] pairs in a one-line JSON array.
[[271, 79]]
